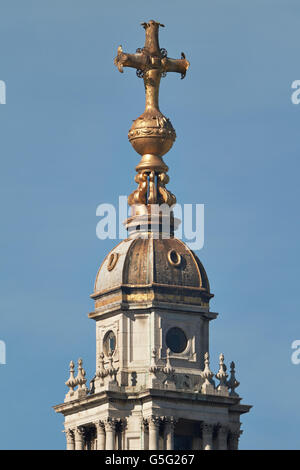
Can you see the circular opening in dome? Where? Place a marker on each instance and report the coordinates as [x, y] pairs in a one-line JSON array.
[[109, 342], [174, 258], [112, 261], [176, 340]]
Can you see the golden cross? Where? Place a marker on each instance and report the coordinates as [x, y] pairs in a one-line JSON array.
[[151, 63]]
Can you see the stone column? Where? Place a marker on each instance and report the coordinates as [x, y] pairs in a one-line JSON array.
[[100, 432], [222, 437], [70, 439], [233, 441], [207, 432], [153, 432], [169, 433], [110, 430], [79, 438]]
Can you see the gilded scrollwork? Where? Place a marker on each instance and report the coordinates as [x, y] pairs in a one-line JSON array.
[[151, 189], [139, 196], [165, 196]]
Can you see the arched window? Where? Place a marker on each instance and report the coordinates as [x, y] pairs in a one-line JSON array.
[[109, 342]]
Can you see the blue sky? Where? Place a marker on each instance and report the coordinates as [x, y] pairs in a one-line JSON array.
[[64, 150]]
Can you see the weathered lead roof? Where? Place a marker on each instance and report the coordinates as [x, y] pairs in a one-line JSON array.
[[144, 261]]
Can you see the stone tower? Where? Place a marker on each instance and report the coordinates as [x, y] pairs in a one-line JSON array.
[[153, 387]]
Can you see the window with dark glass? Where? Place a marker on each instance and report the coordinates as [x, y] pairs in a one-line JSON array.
[[109, 342], [176, 340]]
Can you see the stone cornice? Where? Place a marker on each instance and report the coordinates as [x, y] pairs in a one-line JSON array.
[[142, 307], [147, 395]]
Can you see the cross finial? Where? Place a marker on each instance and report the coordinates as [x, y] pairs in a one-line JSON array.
[[151, 56], [152, 134]]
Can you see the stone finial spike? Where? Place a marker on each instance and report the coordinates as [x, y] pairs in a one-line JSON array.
[[169, 372], [168, 369], [208, 386], [102, 360], [101, 372], [80, 378], [112, 370], [207, 374], [111, 361], [82, 389], [222, 377], [153, 369], [232, 382], [153, 359], [71, 382]]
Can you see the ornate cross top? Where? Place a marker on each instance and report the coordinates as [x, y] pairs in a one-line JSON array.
[[151, 57], [152, 134]]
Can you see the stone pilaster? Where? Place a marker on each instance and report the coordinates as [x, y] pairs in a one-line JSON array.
[[207, 436]]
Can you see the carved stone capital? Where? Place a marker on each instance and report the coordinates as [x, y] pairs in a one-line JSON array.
[[207, 428], [222, 429], [235, 434], [69, 435], [170, 422], [145, 424], [100, 427], [122, 424], [154, 421], [79, 432], [110, 424]]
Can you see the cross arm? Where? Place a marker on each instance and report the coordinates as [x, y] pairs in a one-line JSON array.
[[136, 61], [176, 65]]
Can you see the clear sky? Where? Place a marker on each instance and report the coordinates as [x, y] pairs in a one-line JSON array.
[[64, 150]]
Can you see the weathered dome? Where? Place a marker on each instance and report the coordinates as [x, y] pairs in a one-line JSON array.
[[149, 261]]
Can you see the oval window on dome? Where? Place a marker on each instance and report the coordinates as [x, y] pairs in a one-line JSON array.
[[109, 342], [112, 261], [176, 340], [174, 258]]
